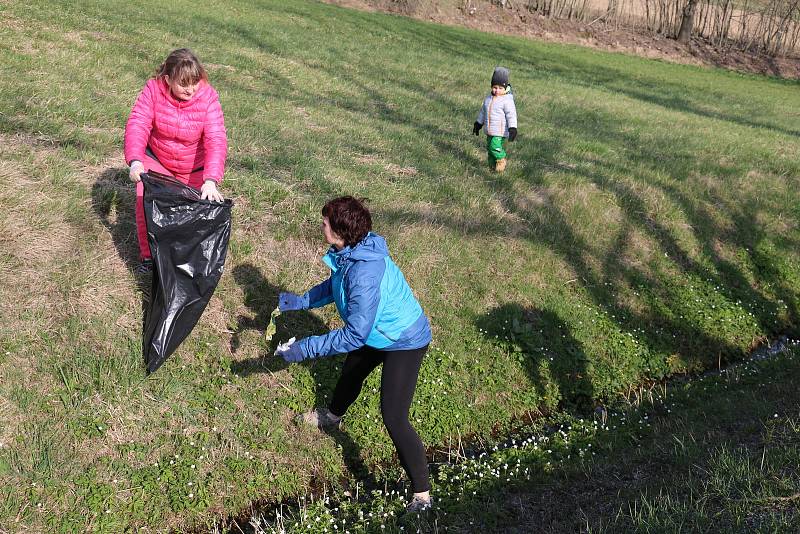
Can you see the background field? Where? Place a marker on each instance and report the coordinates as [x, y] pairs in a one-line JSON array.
[[646, 227]]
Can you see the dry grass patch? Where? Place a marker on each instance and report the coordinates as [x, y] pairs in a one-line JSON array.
[[398, 171], [10, 417], [587, 208], [426, 263], [425, 211], [216, 317], [527, 198], [34, 234], [515, 224], [308, 122], [271, 256], [777, 224], [639, 249]]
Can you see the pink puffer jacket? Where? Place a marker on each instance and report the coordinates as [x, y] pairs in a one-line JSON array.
[[183, 135]]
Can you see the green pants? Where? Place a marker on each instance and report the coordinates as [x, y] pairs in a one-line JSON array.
[[494, 145]]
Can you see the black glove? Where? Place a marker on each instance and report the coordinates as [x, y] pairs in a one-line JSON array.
[[476, 128], [512, 134]]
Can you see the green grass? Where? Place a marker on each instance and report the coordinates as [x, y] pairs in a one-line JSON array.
[[646, 227], [718, 454], [715, 454]]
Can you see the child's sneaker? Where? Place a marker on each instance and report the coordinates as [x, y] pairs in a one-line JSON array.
[[419, 504], [500, 165], [318, 417], [145, 267]]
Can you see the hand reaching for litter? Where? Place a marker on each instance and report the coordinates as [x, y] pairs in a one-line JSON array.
[[283, 347], [290, 351]]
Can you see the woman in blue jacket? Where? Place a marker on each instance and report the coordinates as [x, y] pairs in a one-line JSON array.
[[383, 324]]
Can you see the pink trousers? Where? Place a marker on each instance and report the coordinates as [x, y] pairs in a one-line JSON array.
[[193, 179]]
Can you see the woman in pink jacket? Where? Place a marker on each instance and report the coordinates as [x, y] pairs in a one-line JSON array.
[[176, 127]]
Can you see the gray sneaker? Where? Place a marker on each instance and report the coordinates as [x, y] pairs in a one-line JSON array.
[[318, 417], [418, 504]]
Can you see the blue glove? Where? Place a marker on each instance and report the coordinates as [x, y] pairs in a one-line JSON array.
[[291, 301], [294, 354]]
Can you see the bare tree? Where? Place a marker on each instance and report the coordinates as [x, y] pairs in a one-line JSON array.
[[687, 22], [769, 27]]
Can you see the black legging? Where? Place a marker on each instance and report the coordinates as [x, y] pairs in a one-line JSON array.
[[398, 381]]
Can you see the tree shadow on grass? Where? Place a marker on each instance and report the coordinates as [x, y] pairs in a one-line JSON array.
[[363, 475], [261, 297], [585, 70], [549, 353], [634, 465], [656, 181], [623, 180], [660, 317]]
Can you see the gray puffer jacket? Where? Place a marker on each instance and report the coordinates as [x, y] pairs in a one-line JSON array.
[[498, 114]]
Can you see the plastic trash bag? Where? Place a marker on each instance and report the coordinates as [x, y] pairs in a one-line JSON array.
[[188, 239]]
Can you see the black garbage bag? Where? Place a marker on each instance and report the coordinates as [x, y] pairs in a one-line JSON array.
[[189, 241]]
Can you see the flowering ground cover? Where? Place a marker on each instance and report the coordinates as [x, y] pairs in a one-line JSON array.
[[717, 453], [646, 227]]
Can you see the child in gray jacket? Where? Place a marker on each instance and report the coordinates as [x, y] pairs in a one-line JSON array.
[[500, 116]]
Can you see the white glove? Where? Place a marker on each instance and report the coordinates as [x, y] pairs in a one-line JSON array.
[[283, 347], [137, 168], [209, 191]]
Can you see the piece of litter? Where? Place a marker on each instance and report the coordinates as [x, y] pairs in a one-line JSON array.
[[271, 328]]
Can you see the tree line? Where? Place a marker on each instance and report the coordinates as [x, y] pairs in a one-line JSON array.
[[770, 27]]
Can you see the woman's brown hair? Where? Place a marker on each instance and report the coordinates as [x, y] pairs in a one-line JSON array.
[[349, 218]]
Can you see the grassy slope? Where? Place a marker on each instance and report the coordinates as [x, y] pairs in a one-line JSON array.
[[647, 225], [714, 454]]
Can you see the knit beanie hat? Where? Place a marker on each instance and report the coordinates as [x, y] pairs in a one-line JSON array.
[[500, 76]]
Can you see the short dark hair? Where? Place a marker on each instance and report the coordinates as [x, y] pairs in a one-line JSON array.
[[349, 218]]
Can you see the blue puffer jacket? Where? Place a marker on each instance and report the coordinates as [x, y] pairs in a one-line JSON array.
[[374, 300]]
